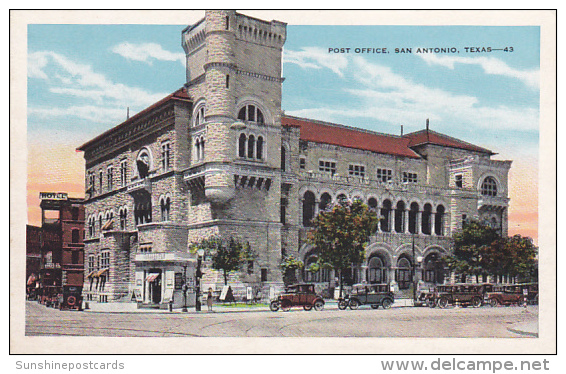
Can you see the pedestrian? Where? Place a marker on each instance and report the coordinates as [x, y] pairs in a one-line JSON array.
[[209, 299]]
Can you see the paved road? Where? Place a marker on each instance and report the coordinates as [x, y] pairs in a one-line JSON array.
[[396, 322]]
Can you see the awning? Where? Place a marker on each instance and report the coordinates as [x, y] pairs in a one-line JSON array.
[[152, 277], [101, 272], [31, 279], [92, 274], [108, 225]]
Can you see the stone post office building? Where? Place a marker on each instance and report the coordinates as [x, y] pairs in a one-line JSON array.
[[218, 156]]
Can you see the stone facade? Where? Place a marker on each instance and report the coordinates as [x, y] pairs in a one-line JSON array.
[[218, 157]]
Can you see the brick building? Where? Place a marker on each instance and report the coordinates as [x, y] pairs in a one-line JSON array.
[[219, 157], [60, 240]]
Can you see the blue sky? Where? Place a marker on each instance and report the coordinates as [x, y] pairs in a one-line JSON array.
[[81, 78]]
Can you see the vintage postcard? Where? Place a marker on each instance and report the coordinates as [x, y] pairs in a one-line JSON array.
[[376, 182]]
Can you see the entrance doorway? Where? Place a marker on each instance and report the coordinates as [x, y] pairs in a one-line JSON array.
[[154, 281]]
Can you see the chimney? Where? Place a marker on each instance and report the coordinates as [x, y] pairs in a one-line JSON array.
[[401, 130], [427, 125], [128, 115]]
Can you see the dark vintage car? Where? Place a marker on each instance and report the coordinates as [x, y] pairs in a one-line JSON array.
[[298, 295], [368, 294], [531, 291], [71, 298], [505, 295], [463, 294], [426, 297]]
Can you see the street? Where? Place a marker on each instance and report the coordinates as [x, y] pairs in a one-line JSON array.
[[484, 322]]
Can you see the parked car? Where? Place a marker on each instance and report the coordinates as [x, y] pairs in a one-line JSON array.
[[463, 294], [368, 294], [505, 295], [531, 291], [426, 298], [298, 295], [71, 298]]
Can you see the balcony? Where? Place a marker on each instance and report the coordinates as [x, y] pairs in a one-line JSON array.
[[136, 186], [165, 257]]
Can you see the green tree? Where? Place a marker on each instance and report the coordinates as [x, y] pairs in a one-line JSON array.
[[289, 266], [480, 250], [227, 254], [470, 245], [341, 234]]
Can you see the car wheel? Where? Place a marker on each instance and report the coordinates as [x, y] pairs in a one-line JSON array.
[[476, 302], [285, 306], [318, 305], [443, 302], [354, 304], [386, 303], [374, 306], [493, 303], [274, 306], [431, 303], [307, 307], [342, 304]]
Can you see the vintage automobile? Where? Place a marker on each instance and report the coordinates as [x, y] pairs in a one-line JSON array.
[[531, 290], [505, 295], [426, 298], [368, 294], [463, 294], [71, 298], [298, 295]]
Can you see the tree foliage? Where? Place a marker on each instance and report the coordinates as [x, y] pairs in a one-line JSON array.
[[227, 254], [341, 234], [480, 250], [289, 266]]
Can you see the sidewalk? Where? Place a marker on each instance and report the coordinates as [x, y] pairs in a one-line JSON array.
[[527, 329], [131, 307]]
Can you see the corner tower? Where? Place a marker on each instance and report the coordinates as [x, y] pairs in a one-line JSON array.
[[234, 177]]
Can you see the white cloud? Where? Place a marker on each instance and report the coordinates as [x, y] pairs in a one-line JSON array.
[[92, 96], [316, 58], [391, 98], [490, 65], [147, 52]]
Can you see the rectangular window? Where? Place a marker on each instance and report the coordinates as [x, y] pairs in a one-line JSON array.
[[110, 178], [105, 260], [165, 156], [264, 275], [123, 172], [283, 211], [458, 180], [302, 163], [328, 167], [384, 175], [100, 179], [409, 177], [227, 81], [91, 264], [74, 257], [357, 170]]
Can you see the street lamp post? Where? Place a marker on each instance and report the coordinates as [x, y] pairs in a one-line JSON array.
[[200, 253], [415, 261], [185, 287]]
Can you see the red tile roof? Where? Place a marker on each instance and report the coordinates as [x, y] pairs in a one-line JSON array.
[[431, 137], [328, 133], [344, 136], [180, 94]]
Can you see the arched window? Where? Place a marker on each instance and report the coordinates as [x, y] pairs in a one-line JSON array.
[[403, 274], [400, 217], [199, 116], [165, 209], [372, 203], [251, 146], [489, 187], [197, 149], [325, 200], [377, 272], [250, 113], [123, 217], [201, 157], [259, 148], [433, 269], [385, 216], [342, 199], [283, 158], [439, 221], [413, 212], [427, 213], [242, 145], [308, 208]]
